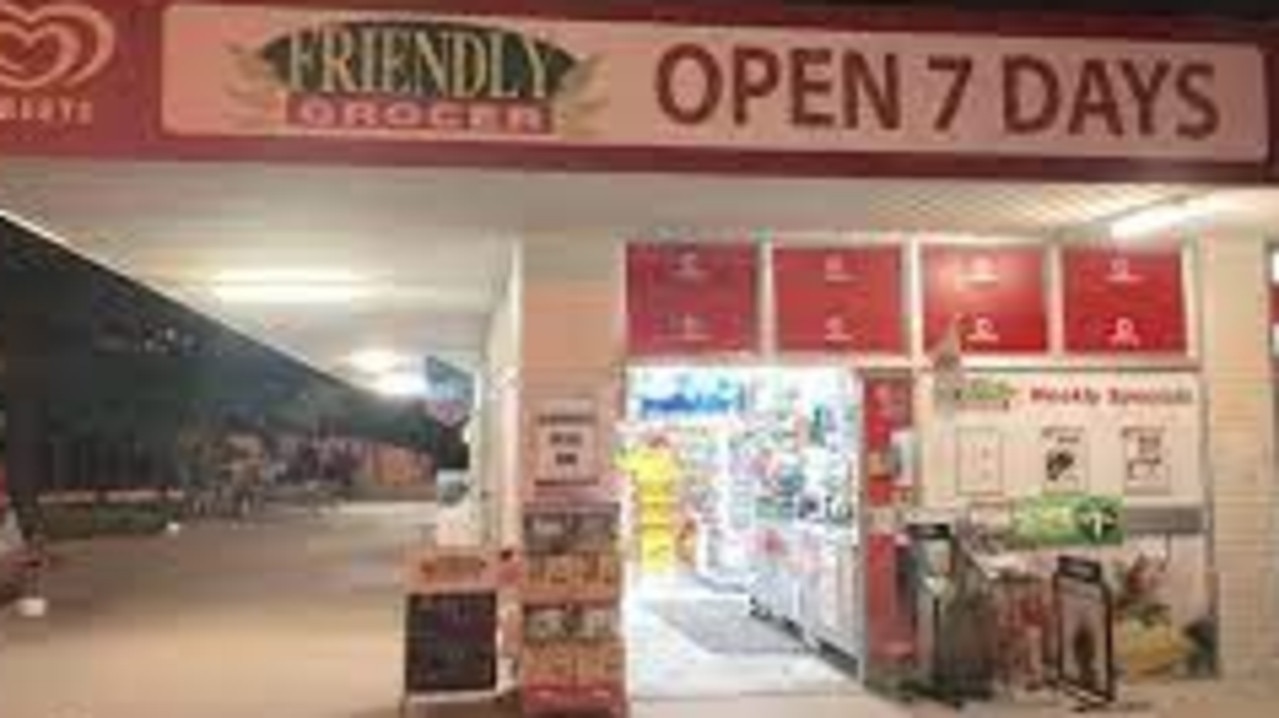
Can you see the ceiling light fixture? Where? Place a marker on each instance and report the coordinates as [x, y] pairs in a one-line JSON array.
[[287, 276], [1163, 216], [377, 360], [289, 293], [400, 384], [289, 286]]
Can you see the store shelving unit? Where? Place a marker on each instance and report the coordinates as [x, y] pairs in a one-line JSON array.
[[572, 657]]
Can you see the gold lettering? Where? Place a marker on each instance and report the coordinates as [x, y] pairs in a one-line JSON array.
[[469, 65], [338, 47], [301, 57], [539, 74], [369, 77], [432, 64], [497, 65], [394, 61]]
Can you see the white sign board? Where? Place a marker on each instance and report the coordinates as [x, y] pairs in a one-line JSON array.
[[566, 443], [1017, 435], [368, 75]]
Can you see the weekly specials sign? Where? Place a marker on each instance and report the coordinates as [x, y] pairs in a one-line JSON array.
[[242, 71]]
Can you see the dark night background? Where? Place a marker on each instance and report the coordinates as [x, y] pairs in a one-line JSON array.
[[1242, 9]]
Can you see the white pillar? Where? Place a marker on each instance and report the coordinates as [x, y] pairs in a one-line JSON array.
[[568, 327], [1241, 431]]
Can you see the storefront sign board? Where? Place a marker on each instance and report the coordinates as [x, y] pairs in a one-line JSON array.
[[1124, 301], [393, 75], [556, 86], [993, 296], [839, 299], [692, 298]]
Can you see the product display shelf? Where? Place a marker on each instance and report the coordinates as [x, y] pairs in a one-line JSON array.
[[572, 650]]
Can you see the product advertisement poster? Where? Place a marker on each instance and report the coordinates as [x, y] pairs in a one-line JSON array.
[[1086, 661]]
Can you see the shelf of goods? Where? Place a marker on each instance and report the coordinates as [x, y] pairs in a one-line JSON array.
[[801, 450], [573, 659]]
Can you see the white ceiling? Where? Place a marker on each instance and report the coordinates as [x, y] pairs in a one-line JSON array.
[[441, 241]]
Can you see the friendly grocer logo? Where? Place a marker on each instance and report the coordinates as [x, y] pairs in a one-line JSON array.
[[413, 76]]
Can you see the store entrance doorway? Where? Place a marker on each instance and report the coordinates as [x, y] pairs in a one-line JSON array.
[[741, 495]]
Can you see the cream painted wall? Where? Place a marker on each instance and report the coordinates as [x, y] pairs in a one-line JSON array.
[[572, 304], [1241, 450], [572, 330]]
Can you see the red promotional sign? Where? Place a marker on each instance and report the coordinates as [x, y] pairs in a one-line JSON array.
[[1124, 301], [994, 296], [692, 299], [1274, 319], [68, 75], [847, 299], [888, 408]]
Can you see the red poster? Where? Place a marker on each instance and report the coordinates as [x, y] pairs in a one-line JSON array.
[[888, 409], [839, 300], [994, 296], [1274, 320], [692, 298], [1123, 301]]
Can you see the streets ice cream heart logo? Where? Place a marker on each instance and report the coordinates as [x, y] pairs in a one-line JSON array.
[[58, 45]]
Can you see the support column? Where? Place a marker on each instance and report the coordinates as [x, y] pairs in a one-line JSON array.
[[568, 293], [1241, 451]]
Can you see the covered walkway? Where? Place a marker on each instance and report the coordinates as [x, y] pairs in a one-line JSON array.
[[299, 617]]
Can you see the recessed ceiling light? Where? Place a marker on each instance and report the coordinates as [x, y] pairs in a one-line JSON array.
[[377, 360], [400, 384], [290, 293], [290, 286], [288, 276]]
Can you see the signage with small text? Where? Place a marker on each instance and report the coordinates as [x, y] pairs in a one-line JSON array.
[[1123, 301], [840, 299], [994, 297], [692, 298]]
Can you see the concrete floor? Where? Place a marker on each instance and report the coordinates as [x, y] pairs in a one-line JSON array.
[[300, 617], [664, 663]]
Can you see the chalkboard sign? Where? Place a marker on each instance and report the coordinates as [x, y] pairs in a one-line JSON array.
[[451, 643]]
